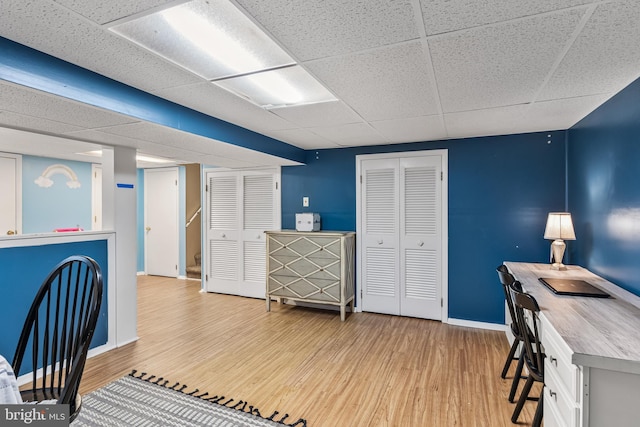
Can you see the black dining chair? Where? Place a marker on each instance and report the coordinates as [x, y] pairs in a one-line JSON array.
[[57, 332], [507, 279], [526, 307]]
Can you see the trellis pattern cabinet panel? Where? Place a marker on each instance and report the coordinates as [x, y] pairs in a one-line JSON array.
[[316, 267]]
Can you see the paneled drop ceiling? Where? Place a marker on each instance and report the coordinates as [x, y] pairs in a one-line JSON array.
[[401, 70]]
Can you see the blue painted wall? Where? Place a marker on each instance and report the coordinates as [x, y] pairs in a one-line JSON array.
[[23, 271], [58, 206], [604, 192], [500, 191]]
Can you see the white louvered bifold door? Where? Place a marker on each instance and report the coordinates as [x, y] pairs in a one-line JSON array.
[[401, 236], [380, 260], [420, 234], [223, 252], [259, 215], [242, 206]]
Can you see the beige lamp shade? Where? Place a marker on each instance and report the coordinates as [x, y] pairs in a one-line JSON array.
[[559, 226]]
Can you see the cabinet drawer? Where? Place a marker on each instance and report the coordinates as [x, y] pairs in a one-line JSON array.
[[558, 360], [292, 287], [303, 268], [556, 400], [552, 417]]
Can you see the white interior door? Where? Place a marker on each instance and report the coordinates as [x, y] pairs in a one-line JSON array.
[[420, 237], [242, 205], [10, 192], [161, 221], [379, 236], [223, 252], [401, 228]]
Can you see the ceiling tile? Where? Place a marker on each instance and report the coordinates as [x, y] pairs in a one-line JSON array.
[[604, 58], [559, 113], [217, 102], [34, 144], [38, 124], [387, 83], [443, 16], [31, 102], [499, 65], [493, 121], [351, 134], [100, 137], [312, 29], [302, 138], [38, 24], [414, 129], [106, 11], [162, 135], [321, 114]]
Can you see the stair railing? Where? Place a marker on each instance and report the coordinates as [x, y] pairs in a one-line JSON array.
[[193, 217]]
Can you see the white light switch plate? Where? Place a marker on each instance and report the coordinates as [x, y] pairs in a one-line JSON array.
[[305, 202]]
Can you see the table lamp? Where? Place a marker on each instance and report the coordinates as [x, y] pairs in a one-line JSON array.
[[559, 228]]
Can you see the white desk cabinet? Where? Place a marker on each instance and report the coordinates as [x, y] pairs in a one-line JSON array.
[[592, 347], [315, 267]]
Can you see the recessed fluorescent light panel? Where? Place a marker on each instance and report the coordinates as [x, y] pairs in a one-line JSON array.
[[215, 40]]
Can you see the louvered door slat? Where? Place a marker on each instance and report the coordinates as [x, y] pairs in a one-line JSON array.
[[420, 274], [258, 202], [380, 201], [381, 272], [254, 262], [420, 201], [223, 202]]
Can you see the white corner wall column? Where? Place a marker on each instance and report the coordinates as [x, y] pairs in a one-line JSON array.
[[119, 214]]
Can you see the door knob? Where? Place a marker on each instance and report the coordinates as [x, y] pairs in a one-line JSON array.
[[10, 233], [148, 228]]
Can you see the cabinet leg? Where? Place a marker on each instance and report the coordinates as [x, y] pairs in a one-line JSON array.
[[268, 303], [352, 304], [343, 312]]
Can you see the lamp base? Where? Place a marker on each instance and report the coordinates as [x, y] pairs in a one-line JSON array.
[[557, 253], [558, 266]]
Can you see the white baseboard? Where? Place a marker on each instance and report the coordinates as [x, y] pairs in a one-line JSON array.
[[99, 350], [123, 343], [26, 378], [141, 273], [478, 325]]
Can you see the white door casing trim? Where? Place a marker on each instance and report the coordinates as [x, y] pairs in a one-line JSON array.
[[18, 189], [444, 156]]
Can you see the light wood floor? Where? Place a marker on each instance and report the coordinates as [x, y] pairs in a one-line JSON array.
[[372, 370]]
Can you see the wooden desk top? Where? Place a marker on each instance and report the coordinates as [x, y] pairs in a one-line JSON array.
[[601, 332]]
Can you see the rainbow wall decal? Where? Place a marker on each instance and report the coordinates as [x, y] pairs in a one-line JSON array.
[[45, 180]]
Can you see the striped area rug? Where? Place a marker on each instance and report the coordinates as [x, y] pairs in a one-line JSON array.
[[148, 401]]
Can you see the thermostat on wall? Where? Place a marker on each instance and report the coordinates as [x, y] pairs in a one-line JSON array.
[[307, 222]]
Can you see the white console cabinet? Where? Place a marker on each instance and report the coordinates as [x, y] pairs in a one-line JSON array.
[[592, 347], [314, 267]]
